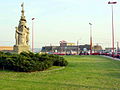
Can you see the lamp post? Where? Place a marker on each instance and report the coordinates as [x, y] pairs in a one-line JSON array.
[[33, 34], [77, 47], [117, 47], [112, 27], [90, 38]]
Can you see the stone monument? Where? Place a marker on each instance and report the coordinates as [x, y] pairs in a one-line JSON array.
[[22, 34]]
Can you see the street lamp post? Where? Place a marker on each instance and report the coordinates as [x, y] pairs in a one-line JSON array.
[[77, 47], [117, 47], [90, 38], [112, 27], [33, 34]]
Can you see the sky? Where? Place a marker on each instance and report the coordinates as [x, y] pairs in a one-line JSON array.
[[57, 20]]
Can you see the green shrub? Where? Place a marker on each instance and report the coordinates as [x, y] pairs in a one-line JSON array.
[[60, 62], [29, 62]]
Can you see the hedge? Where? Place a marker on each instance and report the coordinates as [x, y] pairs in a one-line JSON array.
[[29, 62]]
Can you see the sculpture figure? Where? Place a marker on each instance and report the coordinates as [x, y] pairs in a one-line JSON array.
[[22, 34]]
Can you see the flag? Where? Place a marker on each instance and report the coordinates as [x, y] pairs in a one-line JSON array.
[[112, 2], [90, 23], [33, 18]]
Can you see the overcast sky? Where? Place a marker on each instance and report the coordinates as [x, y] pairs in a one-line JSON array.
[[57, 20]]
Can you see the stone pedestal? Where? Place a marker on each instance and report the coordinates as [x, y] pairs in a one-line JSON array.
[[20, 48]]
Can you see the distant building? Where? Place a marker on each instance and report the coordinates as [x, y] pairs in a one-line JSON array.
[[83, 47], [66, 48], [109, 49], [6, 48], [70, 44], [63, 43], [97, 47]]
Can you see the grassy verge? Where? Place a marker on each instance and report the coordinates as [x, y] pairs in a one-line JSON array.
[[82, 73]]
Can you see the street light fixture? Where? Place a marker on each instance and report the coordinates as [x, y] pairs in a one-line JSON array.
[[112, 27], [90, 38]]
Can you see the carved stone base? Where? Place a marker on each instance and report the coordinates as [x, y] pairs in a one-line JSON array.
[[20, 48]]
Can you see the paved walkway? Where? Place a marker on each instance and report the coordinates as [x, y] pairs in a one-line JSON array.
[[111, 58]]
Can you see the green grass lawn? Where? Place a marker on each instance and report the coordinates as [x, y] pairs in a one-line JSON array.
[[82, 73]]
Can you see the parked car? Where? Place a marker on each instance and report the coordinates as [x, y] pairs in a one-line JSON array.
[[117, 55], [96, 53], [83, 53]]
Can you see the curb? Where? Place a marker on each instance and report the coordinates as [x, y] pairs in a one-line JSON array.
[[111, 58]]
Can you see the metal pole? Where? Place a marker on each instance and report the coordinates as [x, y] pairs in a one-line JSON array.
[[117, 47], [33, 34], [112, 32], [77, 47], [90, 38], [112, 27]]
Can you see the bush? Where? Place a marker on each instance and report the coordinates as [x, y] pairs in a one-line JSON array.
[[29, 62], [60, 62]]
